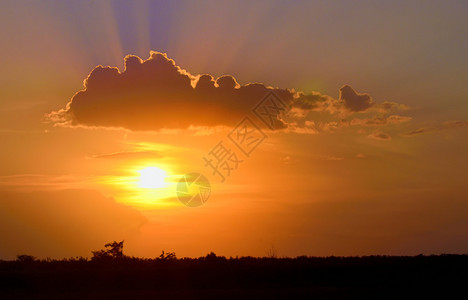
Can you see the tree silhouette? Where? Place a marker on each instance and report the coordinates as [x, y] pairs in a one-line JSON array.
[[272, 252], [113, 250]]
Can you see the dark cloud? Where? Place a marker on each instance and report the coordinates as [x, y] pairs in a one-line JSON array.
[[156, 94], [354, 101]]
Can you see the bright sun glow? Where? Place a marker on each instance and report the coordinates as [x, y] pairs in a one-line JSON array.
[[152, 178]]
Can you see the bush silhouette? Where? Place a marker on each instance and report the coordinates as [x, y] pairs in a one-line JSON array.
[[167, 255], [25, 258], [115, 276]]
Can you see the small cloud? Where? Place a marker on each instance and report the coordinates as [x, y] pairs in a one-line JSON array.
[[380, 136], [388, 107], [381, 121], [334, 126], [286, 160], [307, 127], [354, 101], [206, 130], [312, 101], [396, 119]]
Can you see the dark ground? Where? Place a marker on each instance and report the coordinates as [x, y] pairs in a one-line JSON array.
[[212, 277]]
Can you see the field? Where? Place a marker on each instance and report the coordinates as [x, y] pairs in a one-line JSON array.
[[214, 277]]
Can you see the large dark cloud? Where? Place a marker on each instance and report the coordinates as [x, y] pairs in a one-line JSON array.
[[157, 94]]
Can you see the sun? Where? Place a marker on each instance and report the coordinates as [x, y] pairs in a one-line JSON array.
[[152, 178]]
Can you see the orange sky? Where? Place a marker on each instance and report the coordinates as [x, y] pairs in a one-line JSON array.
[[369, 156]]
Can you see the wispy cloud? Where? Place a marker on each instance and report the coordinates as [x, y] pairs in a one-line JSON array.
[[448, 125], [128, 155], [380, 136]]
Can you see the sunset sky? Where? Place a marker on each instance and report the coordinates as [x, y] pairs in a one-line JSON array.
[[106, 105]]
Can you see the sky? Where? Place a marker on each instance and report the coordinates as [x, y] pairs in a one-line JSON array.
[[342, 126]]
